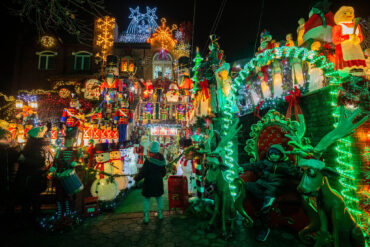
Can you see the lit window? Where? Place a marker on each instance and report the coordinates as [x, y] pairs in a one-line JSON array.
[[46, 60], [82, 60], [127, 64], [162, 65]]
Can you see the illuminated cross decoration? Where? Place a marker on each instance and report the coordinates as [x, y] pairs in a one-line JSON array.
[[163, 37], [104, 28]]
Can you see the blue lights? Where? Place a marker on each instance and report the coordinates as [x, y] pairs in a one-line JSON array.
[[141, 26]]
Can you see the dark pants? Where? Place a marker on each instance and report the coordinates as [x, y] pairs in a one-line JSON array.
[[122, 129], [263, 216]]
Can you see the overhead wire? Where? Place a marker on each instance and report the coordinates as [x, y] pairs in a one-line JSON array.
[[215, 24], [193, 33], [259, 27]]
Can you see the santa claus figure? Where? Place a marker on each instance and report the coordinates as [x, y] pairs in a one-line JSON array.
[[72, 115], [347, 37], [172, 94], [148, 89]]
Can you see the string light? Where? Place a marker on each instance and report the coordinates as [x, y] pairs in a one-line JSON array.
[[162, 37], [104, 28]]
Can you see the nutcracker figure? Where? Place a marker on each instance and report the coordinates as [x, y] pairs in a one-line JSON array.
[[115, 135], [103, 134], [72, 115], [54, 134], [96, 133], [109, 134], [122, 117], [87, 133]]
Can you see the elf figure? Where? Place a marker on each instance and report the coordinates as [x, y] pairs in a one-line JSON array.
[[72, 115], [347, 37], [65, 160], [54, 134], [87, 133]]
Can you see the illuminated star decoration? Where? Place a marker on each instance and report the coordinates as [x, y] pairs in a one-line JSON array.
[[105, 27], [141, 26], [163, 37]]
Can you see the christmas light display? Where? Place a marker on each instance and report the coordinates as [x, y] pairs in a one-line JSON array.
[[105, 27], [182, 50], [47, 41], [141, 26], [280, 53], [163, 38], [197, 61]]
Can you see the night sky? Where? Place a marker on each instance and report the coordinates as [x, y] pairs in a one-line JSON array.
[[237, 29]]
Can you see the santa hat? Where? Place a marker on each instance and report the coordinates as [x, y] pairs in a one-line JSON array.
[[311, 163]]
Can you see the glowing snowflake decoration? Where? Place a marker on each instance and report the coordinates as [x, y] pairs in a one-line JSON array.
[[141, 26]]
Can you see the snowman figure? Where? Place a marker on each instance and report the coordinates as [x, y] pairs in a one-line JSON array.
[[117, 164], [104, 187]]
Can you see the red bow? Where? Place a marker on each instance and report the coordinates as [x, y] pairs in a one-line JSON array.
[[204, 86], [293, 99]]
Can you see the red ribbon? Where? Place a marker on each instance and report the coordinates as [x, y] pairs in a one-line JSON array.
[[204, 86], [100, 166], [257, 110], [293, 100]]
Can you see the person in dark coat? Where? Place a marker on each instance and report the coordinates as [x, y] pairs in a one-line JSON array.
[[275, 169], [9, 153], [31, 178], [153, 171]]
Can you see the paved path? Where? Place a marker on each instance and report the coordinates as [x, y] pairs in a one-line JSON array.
[[128, 230]]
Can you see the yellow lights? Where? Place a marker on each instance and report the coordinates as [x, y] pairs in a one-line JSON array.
[[34, 105], [47, 41], [104, 38], [182, 50], [19, 104], [163, 37]]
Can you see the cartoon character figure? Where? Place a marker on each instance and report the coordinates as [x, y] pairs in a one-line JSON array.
[[347, 36]]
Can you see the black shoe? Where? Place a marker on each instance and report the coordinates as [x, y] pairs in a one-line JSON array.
[[263, 234]]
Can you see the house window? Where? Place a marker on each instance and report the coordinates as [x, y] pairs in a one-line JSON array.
[[82, 60], [46, 60], [162, 65], [127, 64]]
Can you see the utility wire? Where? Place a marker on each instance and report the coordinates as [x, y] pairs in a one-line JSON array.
[[215, 24], [259, 26], [193, 33]]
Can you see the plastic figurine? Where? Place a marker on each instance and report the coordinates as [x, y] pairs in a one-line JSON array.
[[289, 40], [347, 37], [72, 115], [66, 180], [122, 117]]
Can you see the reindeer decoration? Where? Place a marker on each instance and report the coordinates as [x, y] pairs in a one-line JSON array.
[[225, 205], [332, 211]]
